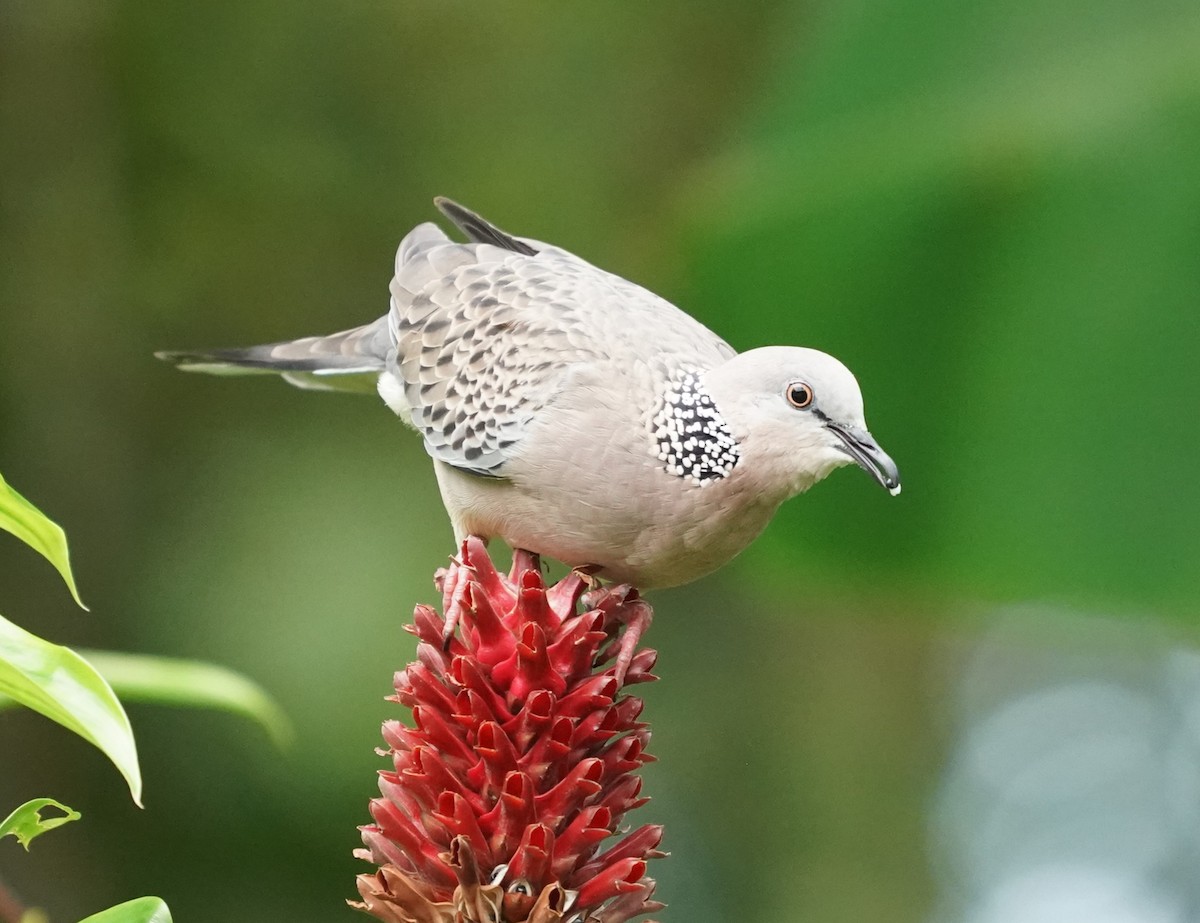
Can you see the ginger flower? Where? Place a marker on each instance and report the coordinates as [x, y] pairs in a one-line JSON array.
[[507, 796]]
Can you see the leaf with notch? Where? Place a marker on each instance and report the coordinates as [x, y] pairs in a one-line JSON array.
[[27, 823]]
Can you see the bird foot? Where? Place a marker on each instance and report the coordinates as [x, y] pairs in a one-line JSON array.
[[636, 615], [456, 588]]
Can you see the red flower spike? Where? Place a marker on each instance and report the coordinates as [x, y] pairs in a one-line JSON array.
[[622, 795], [499, 755], [620, 909], [517, 807], [399, 795], [483, 573], [551, 746], [427, 625], [434, 658], [519, 768], [523, 561], [578, 840], [625, 755], [531, 860], [567, 592], [471, 710], [414, 843], [398, 736], [619, 878], [576, 787], [435, 728], [640, 667], [429, 773], [628, 710], [642, 843], [490, 641], [455, 814], [597, 692], [535, 604], [595, 728], [382, 851], [537, 712], [534, 670], [575, 648], [419, 685], [507, 675], [468, 673]]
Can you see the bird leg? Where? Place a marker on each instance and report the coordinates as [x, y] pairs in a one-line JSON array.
[[630, 611], [635, 615], [456, 589]]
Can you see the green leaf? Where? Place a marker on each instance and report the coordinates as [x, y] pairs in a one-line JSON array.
[[30, 525], [168, 681], [57, 682], [141, 910], [26, 822]]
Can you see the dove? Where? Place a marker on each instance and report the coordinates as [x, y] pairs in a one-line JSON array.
[[576, 415]]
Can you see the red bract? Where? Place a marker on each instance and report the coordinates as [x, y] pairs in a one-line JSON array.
[[507, 796]]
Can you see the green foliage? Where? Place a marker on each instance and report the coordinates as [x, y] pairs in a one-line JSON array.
[[141, 910], [49, 678], [58, 683], [169, 681], [30, 525], [27, 822], [187, 683]]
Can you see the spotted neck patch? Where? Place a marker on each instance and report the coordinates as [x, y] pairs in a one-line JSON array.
[[693, 439]]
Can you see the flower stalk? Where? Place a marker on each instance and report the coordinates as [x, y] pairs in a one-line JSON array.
[[506, 798]]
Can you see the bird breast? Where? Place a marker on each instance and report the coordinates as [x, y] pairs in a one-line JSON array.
[[650, 491]]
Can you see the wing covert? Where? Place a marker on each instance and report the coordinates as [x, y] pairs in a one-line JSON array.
[[485, 335]]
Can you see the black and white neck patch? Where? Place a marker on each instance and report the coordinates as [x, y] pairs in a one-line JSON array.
[[693, 439]]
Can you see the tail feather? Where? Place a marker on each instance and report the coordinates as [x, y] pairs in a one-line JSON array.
[[347, 361], [479, 229]]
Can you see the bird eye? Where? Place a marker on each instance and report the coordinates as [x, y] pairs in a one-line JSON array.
[[799, 395]]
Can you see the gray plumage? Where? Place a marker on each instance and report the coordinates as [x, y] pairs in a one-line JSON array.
[[575, 414]]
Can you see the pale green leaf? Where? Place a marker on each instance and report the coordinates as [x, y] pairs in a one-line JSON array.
[[27, 821], [141, 910], [30, 525], [57, 682], [168, 681]]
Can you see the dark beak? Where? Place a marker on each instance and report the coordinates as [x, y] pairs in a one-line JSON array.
[[862, 447]]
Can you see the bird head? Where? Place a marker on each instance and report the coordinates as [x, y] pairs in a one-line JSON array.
[[797, 414]]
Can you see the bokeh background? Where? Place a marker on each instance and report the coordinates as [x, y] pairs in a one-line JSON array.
[[976, 703]]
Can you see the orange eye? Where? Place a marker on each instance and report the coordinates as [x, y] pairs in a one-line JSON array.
[[799, 395]]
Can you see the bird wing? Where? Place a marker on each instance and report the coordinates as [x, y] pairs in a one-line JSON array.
[[488, 332]]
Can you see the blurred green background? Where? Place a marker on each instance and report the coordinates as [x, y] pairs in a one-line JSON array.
[[976, 702]]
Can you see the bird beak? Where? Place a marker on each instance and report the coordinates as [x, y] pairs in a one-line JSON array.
[[862, 447]]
